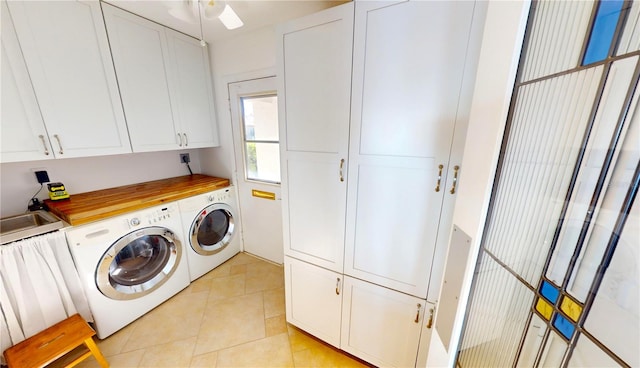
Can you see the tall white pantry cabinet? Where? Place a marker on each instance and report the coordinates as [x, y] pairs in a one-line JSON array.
[[375, 98]]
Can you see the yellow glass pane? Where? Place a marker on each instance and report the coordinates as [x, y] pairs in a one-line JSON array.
[[544, 308], [571, 308]]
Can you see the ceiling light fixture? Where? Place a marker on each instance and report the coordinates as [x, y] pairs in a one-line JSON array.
[[192, 11]]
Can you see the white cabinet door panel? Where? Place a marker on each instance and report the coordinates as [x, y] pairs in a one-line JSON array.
[[24, 136], [393, 225], [317, 79], [380, 325], [313, 299], [193, 91], [315, 86], [409, 63], [139, 50], [314, 208], [67, 53], [412, 57]]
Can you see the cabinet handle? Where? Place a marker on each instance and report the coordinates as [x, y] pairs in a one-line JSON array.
[[439, 177], [338, 286], [186, 139], [430, 322], [44, 144], [418, 313], [59, 144], [455, 178], [341, 167], [179, 139]]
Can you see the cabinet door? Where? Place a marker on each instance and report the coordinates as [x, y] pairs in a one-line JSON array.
[[313, 299], [24, 136], [139, 49], [315, 84], [380, 325], [192, 91], [409, 60], [67, 54]]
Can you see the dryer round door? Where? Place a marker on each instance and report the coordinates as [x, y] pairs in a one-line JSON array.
[[213, 229], [138, 263]]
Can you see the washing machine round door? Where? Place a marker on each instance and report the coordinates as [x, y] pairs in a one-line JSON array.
[[138, 263], [213, 229]]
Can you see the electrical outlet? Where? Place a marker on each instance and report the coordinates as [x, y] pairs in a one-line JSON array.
[[184, 158], [42, 176]]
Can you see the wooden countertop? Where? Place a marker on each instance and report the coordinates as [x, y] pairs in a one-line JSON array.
[[82, 208]]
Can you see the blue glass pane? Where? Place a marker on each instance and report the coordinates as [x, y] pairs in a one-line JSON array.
[[549, 292], [563, 325], [602, 32]]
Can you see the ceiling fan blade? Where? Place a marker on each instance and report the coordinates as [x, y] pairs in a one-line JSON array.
[[230, 19], [183, 10], [213, 8]]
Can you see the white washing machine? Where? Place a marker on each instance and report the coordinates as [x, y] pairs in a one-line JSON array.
[[130, 264], [210, 226]]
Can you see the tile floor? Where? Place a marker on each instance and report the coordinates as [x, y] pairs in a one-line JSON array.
[[234, 316]]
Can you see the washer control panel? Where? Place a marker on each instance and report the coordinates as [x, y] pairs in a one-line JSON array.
[[151, 217], [219, 196]]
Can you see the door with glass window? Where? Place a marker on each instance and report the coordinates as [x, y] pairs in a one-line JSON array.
[[254, 116]]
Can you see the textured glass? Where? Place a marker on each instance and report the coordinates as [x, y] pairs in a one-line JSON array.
[[544, 308], [614, 317], [538, 164], [602, 32], [604, 128], [500, 313], [554, 351], [616, 191], [563, 325], [532, 342], [557, 34], [571, 308], [588, 354], [549, 291], [630, 40]]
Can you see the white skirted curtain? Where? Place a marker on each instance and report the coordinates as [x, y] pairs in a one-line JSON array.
[[39, 287]]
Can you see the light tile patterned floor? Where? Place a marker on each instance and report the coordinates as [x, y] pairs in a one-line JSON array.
[[234, 316]]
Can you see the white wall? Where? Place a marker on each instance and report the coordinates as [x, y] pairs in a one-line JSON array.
[[18, 182], [244, 57], [499, 54]]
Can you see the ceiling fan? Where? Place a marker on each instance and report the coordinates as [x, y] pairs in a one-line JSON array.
[[192, 11]]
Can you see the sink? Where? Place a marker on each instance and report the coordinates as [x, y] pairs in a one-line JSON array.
[[29, 224]]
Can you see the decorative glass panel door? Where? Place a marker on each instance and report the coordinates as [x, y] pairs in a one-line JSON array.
[[557, 282]]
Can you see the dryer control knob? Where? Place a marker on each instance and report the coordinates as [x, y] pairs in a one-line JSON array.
[[135, 221]]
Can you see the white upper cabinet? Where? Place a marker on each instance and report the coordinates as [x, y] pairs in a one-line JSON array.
[[315, 68], [24, 136], [165, 84], [139, 50], [193, 91], [409, 60], [66, 52]]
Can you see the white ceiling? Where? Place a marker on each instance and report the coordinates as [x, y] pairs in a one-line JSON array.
[[254, 13]]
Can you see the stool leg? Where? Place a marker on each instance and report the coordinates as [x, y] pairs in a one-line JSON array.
[[96, 352]]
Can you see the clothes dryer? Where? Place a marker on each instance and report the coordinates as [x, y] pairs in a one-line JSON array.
[[210, 226], [129, 264]]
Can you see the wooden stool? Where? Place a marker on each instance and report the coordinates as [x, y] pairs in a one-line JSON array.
[[65, 344]]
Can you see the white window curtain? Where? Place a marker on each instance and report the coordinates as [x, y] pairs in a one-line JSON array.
[[39, 287]]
